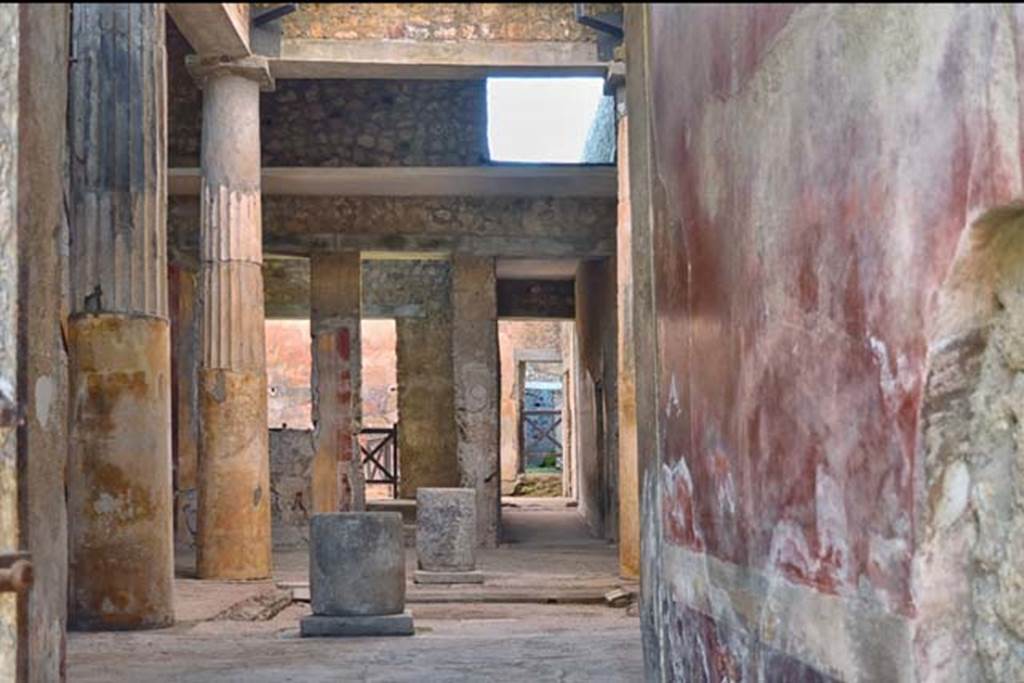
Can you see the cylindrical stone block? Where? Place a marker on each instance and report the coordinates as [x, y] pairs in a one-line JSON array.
[[356, 564], [446, 529], [233, 538], [119, 473]]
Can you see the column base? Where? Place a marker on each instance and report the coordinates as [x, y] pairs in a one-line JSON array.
[[321, 626]]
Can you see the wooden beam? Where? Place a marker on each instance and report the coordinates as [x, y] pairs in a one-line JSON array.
[[214, 29], [536, 299]]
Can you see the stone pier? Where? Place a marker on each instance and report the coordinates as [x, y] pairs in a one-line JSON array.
[[477, 385], [233, 538], [119, 460], [182, 299], [337, 480], [427, 441]]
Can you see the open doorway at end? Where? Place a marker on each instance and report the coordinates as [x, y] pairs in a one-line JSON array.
[[536, 425]]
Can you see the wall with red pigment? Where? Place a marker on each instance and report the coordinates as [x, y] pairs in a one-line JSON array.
[[288, 373], [815, 169]]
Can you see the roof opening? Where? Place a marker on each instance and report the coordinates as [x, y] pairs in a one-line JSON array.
[[550, 120]]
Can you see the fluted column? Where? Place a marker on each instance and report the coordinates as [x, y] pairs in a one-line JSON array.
[[335, 315], [119, 462], [233, 539]]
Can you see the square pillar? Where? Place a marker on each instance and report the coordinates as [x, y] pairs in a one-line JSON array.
[[335, 297], [475, 358], [427, 443]]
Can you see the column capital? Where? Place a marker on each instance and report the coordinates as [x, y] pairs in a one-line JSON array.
[[252, 67]]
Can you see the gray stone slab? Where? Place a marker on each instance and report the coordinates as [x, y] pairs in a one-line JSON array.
[[446, 529], [319, 626], [423, 576], [357, 564]]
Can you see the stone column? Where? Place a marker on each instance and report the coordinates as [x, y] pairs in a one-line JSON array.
[[335, 294], [233, 536], [427, 444], [477, 382], [119, 461]]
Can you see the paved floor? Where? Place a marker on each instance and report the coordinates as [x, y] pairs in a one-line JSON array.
[[546, 548]]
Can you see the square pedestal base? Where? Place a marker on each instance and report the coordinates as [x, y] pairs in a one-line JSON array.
[[423, 576], [318, 626]]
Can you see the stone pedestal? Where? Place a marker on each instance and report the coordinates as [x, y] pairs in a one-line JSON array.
[[446, 536], [357, 575]]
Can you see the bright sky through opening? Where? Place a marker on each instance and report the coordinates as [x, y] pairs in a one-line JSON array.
[[541, 119]]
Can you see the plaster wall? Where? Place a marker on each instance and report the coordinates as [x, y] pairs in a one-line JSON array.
[[596, 386], [816, 173], [42, 373]]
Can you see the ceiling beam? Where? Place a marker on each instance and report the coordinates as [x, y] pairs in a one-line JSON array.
[[214, 29], [526, 180], [309, 58]]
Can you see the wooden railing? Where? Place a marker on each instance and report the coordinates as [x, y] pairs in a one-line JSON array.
[[379, 447]]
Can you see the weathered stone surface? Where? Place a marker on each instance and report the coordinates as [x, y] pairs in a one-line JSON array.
[[119, 473], [629, 485], [184, 314], [866, 531], [291, 494], [447, 578], [595, 385], [446, 529], [440, 22], [119, 465], [374, 123], [43, 378], [355, 123], [477, 381], [118, 199], [356, 564], [320, 626], [334, 322], [9, 533], [547, 227], [233, 539], [427, 439]]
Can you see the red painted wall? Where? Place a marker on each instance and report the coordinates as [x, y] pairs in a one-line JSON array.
[[817, 166]]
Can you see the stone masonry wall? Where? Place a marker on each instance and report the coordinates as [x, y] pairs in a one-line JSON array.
[[374, 123], [342, 122]]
